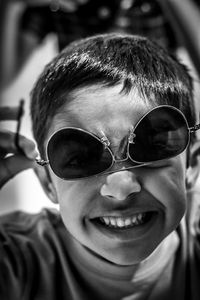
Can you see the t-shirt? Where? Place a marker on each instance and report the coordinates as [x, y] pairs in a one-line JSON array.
[[39, 259]]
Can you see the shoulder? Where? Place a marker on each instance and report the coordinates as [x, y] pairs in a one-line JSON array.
[[31, 249], [19, 219], [23, 226], [27, 239]]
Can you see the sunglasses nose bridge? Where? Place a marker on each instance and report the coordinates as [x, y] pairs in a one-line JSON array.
[[123, 155], [118, 161], [120, 165], [121, 159]]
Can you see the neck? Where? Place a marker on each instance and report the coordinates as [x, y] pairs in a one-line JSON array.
[[97, 264]]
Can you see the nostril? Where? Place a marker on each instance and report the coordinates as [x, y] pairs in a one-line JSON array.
[[108, 196]]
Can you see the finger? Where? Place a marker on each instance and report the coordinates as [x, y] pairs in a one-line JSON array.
[[28, 147], [13, 165], [7, 145], [8, 113]]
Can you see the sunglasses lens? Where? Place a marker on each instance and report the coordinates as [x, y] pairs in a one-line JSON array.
[[161, 134], [74, 154]]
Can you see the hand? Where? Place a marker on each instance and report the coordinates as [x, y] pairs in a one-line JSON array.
[[14, 159]]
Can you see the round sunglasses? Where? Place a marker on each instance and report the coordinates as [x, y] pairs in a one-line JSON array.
[[162, 133]]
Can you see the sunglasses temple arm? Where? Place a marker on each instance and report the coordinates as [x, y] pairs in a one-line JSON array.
[[194, 128], [42, 162]]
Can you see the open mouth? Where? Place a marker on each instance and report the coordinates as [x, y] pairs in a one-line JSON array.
[[121, 223]]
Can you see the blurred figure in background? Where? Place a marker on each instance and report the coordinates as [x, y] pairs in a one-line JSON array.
[[73, 19], [67, 19]]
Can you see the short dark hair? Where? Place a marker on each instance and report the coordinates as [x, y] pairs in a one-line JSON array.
[[110, 59]]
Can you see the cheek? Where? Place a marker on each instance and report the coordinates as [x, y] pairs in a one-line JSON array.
[[69, 201], [74, 200], [167, 185]]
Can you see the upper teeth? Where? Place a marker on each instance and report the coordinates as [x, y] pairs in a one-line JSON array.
[[124, 222]]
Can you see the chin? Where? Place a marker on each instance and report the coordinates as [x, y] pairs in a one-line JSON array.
[[131, 257]]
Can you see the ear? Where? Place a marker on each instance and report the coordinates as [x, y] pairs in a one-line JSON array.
[[193, 164], [46, 182]]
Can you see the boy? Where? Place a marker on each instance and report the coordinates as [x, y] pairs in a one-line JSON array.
[[112, 116]]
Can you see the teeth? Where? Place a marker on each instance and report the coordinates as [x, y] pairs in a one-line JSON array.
[[106, 220], [113, 221], [134, 219], [128, 222], [140, 217], [120, 222]]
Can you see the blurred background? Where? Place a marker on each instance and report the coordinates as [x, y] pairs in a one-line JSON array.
[[32, 32]]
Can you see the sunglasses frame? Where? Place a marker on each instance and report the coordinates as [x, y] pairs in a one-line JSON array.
[[104, 140]]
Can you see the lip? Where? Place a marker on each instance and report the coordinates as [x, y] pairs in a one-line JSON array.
[[134, 204], [127, 234], [126, 213]]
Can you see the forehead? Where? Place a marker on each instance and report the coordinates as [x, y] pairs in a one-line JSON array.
[[101, 109]]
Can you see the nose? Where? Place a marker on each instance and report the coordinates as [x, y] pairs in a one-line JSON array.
[[120, 185]]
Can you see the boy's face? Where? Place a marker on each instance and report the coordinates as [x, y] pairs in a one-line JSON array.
[[141, 205]]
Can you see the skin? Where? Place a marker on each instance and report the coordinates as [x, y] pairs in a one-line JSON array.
[[19, 160], [159, 187]]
